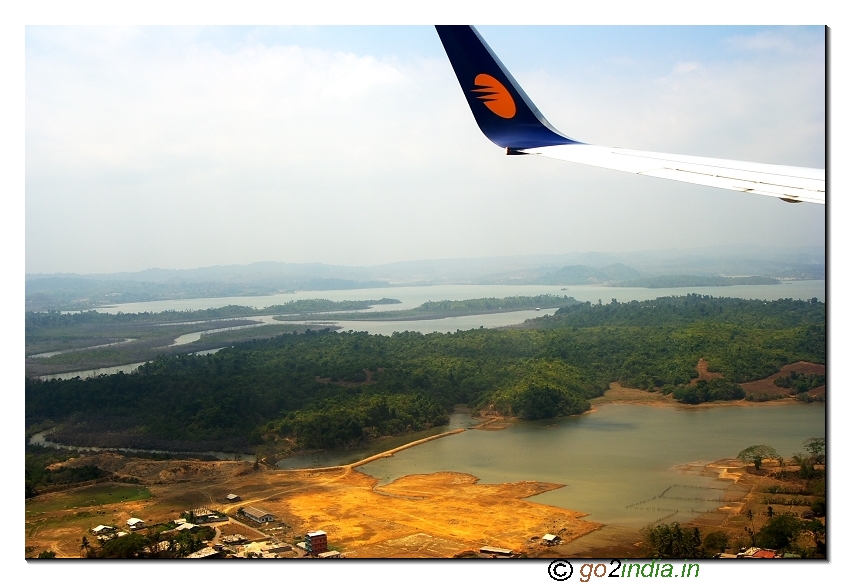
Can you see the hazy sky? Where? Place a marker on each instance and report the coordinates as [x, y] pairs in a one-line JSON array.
[[183, 147]]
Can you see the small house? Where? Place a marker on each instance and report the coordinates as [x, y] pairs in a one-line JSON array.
[[103, 529], [257, 515], [551, 539], [758, 553], [135, 523], [204, 553], [233, 497], [330, 555], [496, 551]]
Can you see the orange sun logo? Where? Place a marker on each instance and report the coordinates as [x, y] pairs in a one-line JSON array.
[[495, 96]]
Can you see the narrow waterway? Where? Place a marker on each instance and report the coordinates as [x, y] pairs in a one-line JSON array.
[[70, 350], [42, 439]]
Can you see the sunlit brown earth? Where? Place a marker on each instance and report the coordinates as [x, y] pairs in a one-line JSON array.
[[704, 373], [767, 386], [431, 515]]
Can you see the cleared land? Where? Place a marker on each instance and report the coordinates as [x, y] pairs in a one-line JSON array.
[[432, 515], [87, 496], [617, 393], [768, 387]]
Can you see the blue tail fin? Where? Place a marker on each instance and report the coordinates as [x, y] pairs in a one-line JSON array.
[[502, 109]]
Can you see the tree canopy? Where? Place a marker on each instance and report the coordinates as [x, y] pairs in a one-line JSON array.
[[673, 541], [325, 389], [756, 454]]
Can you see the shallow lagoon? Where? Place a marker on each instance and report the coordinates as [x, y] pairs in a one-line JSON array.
[[619, 462]]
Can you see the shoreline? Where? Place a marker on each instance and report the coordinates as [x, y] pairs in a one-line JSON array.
[[615, 395], [620, 395], [438, 514]]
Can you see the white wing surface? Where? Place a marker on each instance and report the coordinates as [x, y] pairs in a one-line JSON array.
[[509, 119], [789, 183]]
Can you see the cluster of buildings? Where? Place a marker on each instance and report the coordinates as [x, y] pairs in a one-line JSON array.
[[315, 543], [491, 552], [105, 532]]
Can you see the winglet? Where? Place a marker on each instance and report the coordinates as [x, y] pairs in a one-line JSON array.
[[502, 109]]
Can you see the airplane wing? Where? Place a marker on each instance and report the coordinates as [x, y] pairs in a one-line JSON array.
[[509, 119]]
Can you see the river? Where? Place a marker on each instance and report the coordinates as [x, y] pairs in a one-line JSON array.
[[42, 439], [413, 296]]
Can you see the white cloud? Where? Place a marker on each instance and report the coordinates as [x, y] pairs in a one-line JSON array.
[[149, 147], [682, 68]]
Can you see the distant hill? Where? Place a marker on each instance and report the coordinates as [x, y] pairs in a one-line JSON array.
[[666, 281], [582, 274], [79, 291]]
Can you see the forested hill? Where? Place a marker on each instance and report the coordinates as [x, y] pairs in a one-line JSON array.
[[323, 389]]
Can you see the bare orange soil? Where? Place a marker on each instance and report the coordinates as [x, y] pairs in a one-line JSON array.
[[432, 515], [767, 387], [620, 394]]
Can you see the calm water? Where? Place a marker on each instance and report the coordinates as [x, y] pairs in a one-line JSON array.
[[414, 296], [348, 456], [94, 372], [125, 368], [618, 463]]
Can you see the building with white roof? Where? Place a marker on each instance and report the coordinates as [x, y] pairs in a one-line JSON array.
[[135, 523], [257, 515]]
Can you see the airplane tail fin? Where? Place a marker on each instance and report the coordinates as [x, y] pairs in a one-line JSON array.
[[502, 109]]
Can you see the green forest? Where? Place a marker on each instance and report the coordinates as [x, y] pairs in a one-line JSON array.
[[326, 389], [454, 308]]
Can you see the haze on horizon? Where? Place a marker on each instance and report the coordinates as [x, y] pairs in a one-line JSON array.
[[182, 147]]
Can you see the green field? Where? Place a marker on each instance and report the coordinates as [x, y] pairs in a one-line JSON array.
[[95, 495]]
